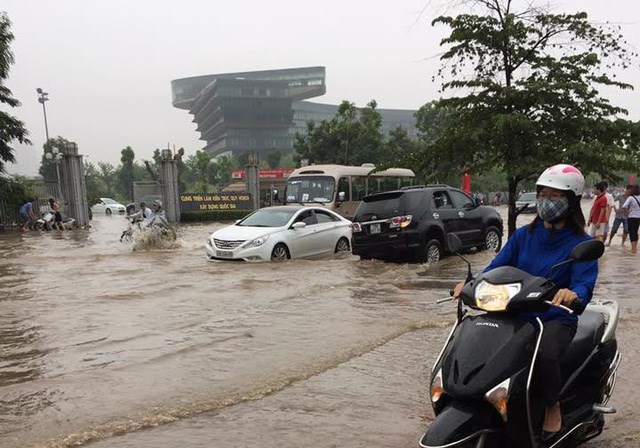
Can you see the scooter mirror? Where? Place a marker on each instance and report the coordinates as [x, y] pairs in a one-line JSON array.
[[587, 251], [454, 242]]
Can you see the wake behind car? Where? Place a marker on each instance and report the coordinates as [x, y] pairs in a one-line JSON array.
[[281, 232], [412, 224], [108, 206]]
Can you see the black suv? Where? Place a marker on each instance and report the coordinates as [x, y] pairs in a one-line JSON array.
[[412, 224]]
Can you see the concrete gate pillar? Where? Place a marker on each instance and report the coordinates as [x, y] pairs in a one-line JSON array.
[[253, 180], [74, 188], [169, 182]]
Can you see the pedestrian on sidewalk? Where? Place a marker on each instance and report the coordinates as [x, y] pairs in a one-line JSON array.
[[632, 206]]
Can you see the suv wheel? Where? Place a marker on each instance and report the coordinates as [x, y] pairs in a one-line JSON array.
[[493, 240], [432, 251]]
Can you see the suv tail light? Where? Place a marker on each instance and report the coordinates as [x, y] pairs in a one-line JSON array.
[[355, 227], [400, 221]]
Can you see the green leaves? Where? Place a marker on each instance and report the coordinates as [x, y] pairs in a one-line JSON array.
[[525, 94], [11, 129], [352, 137]]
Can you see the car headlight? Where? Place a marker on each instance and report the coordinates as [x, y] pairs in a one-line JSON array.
[[257, 241], [490, 297]]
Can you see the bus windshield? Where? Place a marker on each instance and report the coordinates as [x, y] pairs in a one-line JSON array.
[[310, 189]]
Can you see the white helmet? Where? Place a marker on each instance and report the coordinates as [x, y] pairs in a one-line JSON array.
[[562, 177], [157, 203]]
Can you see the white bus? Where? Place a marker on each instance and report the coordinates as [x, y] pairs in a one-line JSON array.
[[341, 188]]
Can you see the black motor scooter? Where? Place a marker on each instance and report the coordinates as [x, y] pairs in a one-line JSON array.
[[481, 385]]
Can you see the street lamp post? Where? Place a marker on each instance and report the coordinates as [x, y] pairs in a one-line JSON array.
[[54, 155], [42, 98]]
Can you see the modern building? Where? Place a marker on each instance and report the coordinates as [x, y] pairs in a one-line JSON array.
[[261, 111]]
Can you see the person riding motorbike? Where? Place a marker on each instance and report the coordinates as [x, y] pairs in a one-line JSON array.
[[144, 214], [159, 218], [548, 240]]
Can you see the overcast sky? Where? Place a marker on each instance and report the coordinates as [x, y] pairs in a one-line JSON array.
[[107, 64]]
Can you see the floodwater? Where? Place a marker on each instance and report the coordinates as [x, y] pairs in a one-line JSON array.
[[108, 347]]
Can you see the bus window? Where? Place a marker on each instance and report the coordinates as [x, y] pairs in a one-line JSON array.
[[310, 189], [358, 187], [405, 181], [389, 183], [343, 187]]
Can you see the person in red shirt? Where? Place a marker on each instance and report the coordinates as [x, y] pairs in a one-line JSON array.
[[598, 215]]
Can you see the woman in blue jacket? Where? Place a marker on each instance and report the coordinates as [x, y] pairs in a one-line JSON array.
[[548, 240]]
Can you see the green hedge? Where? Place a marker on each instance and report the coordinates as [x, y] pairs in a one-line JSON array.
[[213, 215]]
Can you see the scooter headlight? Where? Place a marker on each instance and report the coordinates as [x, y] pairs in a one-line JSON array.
[[490, 297], [499, 397], [437, 389]]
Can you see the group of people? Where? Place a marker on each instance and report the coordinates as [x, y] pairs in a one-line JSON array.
[[626, 211], [154, 216], [28, 216]]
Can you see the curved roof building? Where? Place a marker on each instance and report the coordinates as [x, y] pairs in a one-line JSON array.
[[262, 110]]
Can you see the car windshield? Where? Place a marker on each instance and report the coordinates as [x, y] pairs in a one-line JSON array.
[[310, 189], [109, 201], [527, 197], [267, 218]]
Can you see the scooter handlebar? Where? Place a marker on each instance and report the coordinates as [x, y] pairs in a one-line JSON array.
[[566, 308]]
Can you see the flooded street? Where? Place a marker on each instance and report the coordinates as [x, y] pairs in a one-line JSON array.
[[105, 346]]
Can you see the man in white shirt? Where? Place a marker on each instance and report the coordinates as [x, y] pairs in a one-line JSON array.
[[610, 205]]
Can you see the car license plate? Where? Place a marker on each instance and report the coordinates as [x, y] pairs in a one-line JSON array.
[[374, 228], [224, 253]]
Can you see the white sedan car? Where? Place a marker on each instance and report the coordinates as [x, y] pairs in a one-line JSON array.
[[108, 206], [282, 232]]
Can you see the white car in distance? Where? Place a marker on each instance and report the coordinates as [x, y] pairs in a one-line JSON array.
[[281, 232], [108, 206]]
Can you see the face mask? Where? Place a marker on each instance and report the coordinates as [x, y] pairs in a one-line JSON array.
[[550, 211]]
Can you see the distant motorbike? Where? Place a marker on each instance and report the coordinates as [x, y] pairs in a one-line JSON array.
[[481, 382], [47, 221], [146, 233], [134, 224]]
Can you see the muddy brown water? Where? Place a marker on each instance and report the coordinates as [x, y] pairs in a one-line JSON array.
[[108, 347]]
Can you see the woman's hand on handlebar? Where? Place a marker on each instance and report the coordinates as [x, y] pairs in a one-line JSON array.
[[564, 297], [457, 290]]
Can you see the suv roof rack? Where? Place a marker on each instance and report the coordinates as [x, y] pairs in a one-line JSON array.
[[439, 185], [412, 187]]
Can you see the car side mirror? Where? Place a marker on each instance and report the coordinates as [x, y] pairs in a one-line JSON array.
[[341, 196], [587, 251], [298, 225]]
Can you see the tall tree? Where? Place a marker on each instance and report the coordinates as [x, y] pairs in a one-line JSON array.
[[273, 158], [225, 167], [48, 166], [202, 162], [351, 137], [11, 129], [126, 172], [108, 176], [530, 83]]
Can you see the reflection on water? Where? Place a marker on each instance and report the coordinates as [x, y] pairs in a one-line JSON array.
[[98, 341]]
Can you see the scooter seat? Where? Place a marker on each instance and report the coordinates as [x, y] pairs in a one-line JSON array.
[[590, 330]]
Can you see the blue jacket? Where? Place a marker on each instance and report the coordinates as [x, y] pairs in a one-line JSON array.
[[535, 252]]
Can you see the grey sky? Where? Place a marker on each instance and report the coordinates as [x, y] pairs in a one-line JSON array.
[[107, 64]]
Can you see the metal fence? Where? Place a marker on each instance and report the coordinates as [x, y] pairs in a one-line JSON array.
[[9, 214]]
